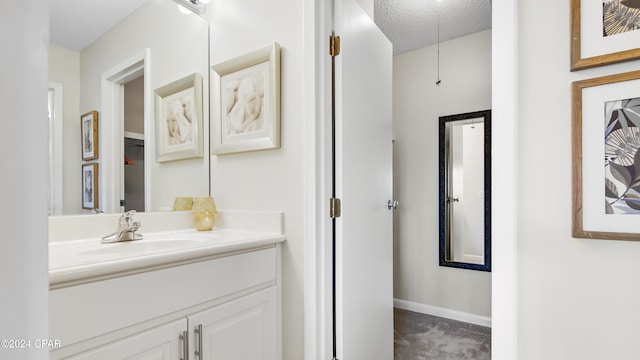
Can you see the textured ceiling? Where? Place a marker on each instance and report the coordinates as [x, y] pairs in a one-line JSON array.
[[413, 24], [409, 24], [74, 24]]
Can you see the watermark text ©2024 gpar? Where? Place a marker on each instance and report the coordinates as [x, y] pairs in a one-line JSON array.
[[18, 344]]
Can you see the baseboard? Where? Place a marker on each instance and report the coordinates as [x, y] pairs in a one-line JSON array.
[[443, 312]]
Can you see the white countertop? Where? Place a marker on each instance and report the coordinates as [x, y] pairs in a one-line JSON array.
[[78, 261], [74, 260]]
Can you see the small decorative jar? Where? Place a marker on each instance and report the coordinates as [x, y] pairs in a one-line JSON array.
[[183, 203], [204, 213]]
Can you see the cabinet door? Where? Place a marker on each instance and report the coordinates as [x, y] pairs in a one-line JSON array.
[[159, 343], [245, 328]]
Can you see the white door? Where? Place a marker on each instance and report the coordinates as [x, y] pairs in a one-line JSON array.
[[364, 247]]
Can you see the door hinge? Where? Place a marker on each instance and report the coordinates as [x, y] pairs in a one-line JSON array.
[[335, 208], [334, 45]]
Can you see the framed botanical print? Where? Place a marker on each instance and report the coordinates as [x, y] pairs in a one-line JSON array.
[[606, 160], [604, 32]]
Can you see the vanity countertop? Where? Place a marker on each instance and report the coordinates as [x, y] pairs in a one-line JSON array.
[[78, 261]]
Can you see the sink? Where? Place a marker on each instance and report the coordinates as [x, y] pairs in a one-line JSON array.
[[146, 246], [88, 251]]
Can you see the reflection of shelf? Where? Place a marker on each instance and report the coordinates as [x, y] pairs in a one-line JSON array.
[[133, 135]]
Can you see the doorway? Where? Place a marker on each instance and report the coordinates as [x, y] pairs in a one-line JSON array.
[[133, 139], [504, 238], [132, 75]]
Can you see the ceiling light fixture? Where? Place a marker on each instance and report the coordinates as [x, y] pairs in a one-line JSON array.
[[197, 6]]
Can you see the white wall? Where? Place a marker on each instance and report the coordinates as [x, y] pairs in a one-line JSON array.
[[270, 179], [134, 106], [577, 298], [465, 70], [367, 6], [23, 244], [178, 47], [64, 68]]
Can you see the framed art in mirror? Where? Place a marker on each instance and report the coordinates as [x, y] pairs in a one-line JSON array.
[[465, 190], [90, 186], [606, 194], [179, 121], [89, 131], [246, 103], [604, 32]]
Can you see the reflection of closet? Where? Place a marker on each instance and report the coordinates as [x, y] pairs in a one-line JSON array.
[[134, 145], [133, 173]]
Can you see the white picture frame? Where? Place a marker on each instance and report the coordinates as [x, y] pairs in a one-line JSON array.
[[246, 102], [179, 123]]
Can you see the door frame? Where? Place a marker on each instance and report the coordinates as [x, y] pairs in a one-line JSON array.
[[504, 199], [112, 129], [317, 251], [56, 151], [317, 180]]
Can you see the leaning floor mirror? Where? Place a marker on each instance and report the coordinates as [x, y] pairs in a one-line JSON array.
[[465, 190]]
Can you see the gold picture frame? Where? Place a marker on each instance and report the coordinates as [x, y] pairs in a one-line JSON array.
[[89, 135], [90, 194], [606, 199], [591, 44]]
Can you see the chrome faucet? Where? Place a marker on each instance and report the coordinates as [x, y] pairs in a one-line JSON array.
[[126, 230]]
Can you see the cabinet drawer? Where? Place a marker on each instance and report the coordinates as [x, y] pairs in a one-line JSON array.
[[85, 311]]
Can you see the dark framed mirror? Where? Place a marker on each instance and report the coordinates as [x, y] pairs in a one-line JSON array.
[[465, 190]]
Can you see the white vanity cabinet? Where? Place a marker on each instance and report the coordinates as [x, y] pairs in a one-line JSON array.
[[223, 307]]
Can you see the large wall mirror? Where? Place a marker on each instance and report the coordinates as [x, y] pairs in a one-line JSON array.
[[465, 190], [162, 45]]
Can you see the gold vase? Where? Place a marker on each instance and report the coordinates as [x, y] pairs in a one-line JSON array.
[[204, 213]]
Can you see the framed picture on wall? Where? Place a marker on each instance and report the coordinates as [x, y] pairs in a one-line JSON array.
[[179, 131], [90, 186], [606, 126], [246, 102], [89, 133], [604, 32]]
